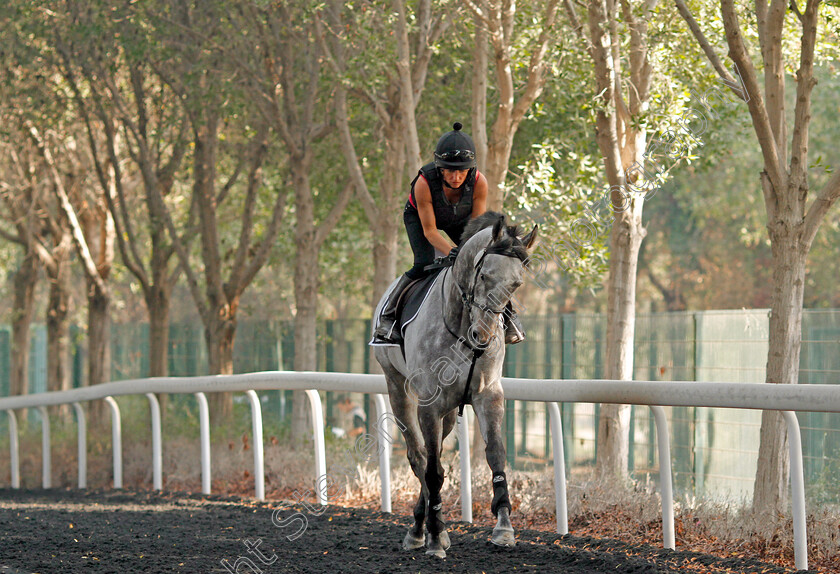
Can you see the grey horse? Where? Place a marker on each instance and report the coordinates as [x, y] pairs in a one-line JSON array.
[[457, 332]]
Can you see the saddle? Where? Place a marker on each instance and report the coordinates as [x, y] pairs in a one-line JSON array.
[[411, 299]]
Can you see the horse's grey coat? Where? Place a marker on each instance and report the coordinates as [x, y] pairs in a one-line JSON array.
[[425, 395]]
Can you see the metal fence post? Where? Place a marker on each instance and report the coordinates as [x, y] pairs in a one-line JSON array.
[[82, 442], [116, 440], [14, 450], [384, 452], [663, 440], [560, 500], [259, 461], [317, 412], [466, 469], [46, 462], [157, 448], [797, 487], [204, 424]]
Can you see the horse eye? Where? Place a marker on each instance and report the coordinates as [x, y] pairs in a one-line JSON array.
[[481, 277]]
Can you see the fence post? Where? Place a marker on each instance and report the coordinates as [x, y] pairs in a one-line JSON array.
[[317, 412], [116, 440], [46, 462], [157, 448], [560, 500], [797, 487], [14, 450], [259, 461], [666, 487], [82, 441], [384, 452], [204, 424], [466, 469]]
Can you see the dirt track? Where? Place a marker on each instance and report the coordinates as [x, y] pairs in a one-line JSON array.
[[72, 531]]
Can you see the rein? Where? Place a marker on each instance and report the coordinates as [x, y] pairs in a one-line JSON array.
[[467, 301]]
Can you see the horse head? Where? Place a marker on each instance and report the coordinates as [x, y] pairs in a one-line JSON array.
[[488, 269]]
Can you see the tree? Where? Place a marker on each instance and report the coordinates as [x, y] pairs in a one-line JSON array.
[[92, 231], [792, 220], [192, 64], [495, 22], [622, 140], [357, 63], [287, 87], [38, 221], [129, 116], [19, 195]]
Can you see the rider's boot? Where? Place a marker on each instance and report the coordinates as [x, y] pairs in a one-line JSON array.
[[385, 333], [514, 332]]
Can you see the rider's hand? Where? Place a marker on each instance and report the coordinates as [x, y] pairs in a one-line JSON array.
[[453, 253]]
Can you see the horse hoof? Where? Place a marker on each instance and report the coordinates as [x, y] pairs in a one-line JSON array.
[[443, 538], [411, 542], [439, 552], [503, 537]]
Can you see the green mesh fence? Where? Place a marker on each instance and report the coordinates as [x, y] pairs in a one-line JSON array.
[[713, 450]]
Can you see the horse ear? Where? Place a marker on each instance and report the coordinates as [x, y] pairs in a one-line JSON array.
[[498, 228], [531, 238]]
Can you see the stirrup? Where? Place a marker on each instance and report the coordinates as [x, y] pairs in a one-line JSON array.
[[513, 333]]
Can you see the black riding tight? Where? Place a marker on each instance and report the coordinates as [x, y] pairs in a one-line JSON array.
[[424, 251]]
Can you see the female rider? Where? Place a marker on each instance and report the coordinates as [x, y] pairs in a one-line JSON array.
[[444, 195]]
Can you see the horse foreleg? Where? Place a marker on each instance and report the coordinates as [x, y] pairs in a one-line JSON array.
[[432, 427], [416, 454], [489, 412]]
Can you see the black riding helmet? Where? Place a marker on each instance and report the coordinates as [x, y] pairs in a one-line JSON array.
[[455, 150]]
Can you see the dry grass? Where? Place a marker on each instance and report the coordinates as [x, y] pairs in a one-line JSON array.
[[630, 513]]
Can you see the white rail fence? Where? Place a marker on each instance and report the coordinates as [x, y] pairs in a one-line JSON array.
[[656, 395]]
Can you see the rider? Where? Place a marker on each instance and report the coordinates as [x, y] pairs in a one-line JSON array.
[[444, 195]]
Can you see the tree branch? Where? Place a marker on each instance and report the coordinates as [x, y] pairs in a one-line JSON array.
[[247, 218], [813, 218], [263, 247], [704, 43], [536, 67], [333, 217], [88, 263], [805, 83], [761, 120]]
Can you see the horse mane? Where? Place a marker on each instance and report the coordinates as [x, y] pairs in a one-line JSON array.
[[509, 244]]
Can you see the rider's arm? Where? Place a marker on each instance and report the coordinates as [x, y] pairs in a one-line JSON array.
[[423, 196], [479, 196]]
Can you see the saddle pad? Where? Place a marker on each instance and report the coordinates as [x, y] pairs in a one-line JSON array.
[[412, 299]]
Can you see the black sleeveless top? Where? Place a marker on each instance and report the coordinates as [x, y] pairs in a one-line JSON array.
[[447, 214]]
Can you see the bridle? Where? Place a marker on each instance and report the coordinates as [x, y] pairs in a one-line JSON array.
[[468, 301]]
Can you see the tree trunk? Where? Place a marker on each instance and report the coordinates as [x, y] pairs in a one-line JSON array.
[[306, 294], [306, 302], [58, 329], [479, 93], [789, 255], [496, 168], [625, 240], [99, 345], [384, 260], [25, 280], [384, 270], [158, 306], [219, 336]]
